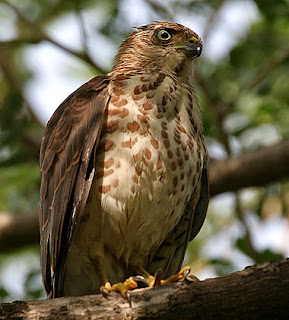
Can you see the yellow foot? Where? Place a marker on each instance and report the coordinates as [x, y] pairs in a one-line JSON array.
[[157, 279], [121, 287], [181, 275], [145, 280]]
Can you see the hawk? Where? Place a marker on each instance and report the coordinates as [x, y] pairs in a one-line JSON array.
[[124, 169]]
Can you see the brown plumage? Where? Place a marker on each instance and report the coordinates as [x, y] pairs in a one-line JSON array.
[[123, 167]]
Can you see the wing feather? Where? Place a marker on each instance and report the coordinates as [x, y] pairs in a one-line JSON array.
[[71, 136], [201, 208]]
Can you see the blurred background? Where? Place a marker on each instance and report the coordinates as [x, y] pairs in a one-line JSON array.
[[48, 48]]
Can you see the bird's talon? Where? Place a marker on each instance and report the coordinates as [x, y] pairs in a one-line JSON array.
[[192, 278], [183, 274], [104, 292], [186, 273], [141, 281], [158, 277], [128, 298]]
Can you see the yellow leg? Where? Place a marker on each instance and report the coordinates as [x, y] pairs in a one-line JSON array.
[[156, 280], [145, 277], [121, 287], [183, 274]]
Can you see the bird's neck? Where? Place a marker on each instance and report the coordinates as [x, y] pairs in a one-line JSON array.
[[183, 72]]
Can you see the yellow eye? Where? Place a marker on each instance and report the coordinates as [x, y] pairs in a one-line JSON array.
[[164, 35]]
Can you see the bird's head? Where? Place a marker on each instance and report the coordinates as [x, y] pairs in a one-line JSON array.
[[160, 46]]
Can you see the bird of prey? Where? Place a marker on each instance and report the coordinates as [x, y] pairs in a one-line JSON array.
[[124, 169]]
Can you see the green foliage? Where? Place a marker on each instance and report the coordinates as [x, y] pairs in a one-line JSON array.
[[33, 289], [3, 294], [263, 255], [222, 266], [19, 187]]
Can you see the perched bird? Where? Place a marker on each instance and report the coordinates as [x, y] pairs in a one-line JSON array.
[[124, 169]]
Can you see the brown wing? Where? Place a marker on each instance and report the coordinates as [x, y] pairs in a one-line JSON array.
[[201, 208], [66, 164], [170, 255]]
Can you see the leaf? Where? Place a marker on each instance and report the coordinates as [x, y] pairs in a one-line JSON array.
[[222, 266], [3, 293], [268, 255]]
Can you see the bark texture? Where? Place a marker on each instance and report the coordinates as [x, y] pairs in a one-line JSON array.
[[258, 292]]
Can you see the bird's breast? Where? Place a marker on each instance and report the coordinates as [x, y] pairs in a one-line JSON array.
[[148, 163]]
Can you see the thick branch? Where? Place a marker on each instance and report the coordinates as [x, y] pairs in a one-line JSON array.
[[18, 230], [253, 169], [258, 291]]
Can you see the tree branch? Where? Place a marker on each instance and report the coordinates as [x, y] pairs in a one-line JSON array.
[[81, 55], [163, 10], [42, 35], [18, 230], [253, 169], [256, 292], [278, 58]]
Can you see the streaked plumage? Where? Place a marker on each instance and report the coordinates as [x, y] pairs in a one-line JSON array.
[[123, 167]]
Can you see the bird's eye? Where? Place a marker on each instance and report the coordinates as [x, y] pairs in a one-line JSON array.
[[164, 35]]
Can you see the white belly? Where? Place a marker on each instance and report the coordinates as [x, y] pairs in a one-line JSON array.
[[151, 169]]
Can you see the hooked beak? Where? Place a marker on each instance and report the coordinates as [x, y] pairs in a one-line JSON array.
[[194, 48]]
